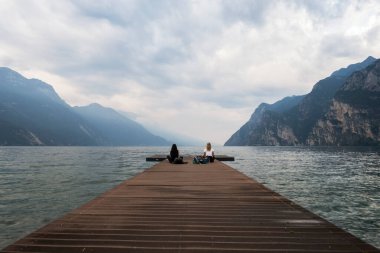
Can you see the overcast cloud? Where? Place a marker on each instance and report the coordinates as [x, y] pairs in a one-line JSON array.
[[198, 68]]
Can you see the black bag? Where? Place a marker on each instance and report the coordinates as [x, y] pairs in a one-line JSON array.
[[178, 160]]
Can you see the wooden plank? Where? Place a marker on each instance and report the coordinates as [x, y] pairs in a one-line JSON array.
[[159, 158], [190, 208]]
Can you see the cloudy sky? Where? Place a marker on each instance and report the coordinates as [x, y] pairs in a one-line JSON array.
[[197, 68]]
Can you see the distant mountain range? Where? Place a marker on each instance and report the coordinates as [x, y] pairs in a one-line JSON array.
[[32, 113], [342, 109], [116, 129]]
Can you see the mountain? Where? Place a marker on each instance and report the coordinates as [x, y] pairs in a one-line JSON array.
[[266, 125], [116, 129], [345, 72], [32, 113], [293, 120], [353, 117]]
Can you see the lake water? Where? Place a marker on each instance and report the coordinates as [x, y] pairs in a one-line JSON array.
[[39, 184]]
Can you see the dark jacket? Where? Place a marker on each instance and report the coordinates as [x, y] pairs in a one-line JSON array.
[[174, 154]]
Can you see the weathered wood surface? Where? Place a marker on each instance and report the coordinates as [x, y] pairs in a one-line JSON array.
[[159, 158], [190, 208]]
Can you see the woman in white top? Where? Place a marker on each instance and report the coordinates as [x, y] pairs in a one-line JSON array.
[[208, 153]]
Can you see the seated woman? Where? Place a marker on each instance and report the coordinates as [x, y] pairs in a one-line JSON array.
[[208, 153], [174, 155]]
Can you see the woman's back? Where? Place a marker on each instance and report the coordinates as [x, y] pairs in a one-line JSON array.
[[174, 154]]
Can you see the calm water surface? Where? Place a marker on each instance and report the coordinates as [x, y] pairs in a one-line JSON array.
[[39, 184]]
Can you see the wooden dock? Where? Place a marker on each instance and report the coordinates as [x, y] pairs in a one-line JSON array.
[[190, 208], [159, 158]]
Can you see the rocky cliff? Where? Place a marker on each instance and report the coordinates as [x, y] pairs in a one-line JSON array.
[[353, 117], [340, 110], [267, 126]]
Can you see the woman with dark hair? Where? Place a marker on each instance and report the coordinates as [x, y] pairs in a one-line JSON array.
[[174, 154]]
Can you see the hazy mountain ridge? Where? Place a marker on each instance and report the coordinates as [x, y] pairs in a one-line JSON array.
[[32, 113], [117, 129], [39, 114], [297, 123]]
